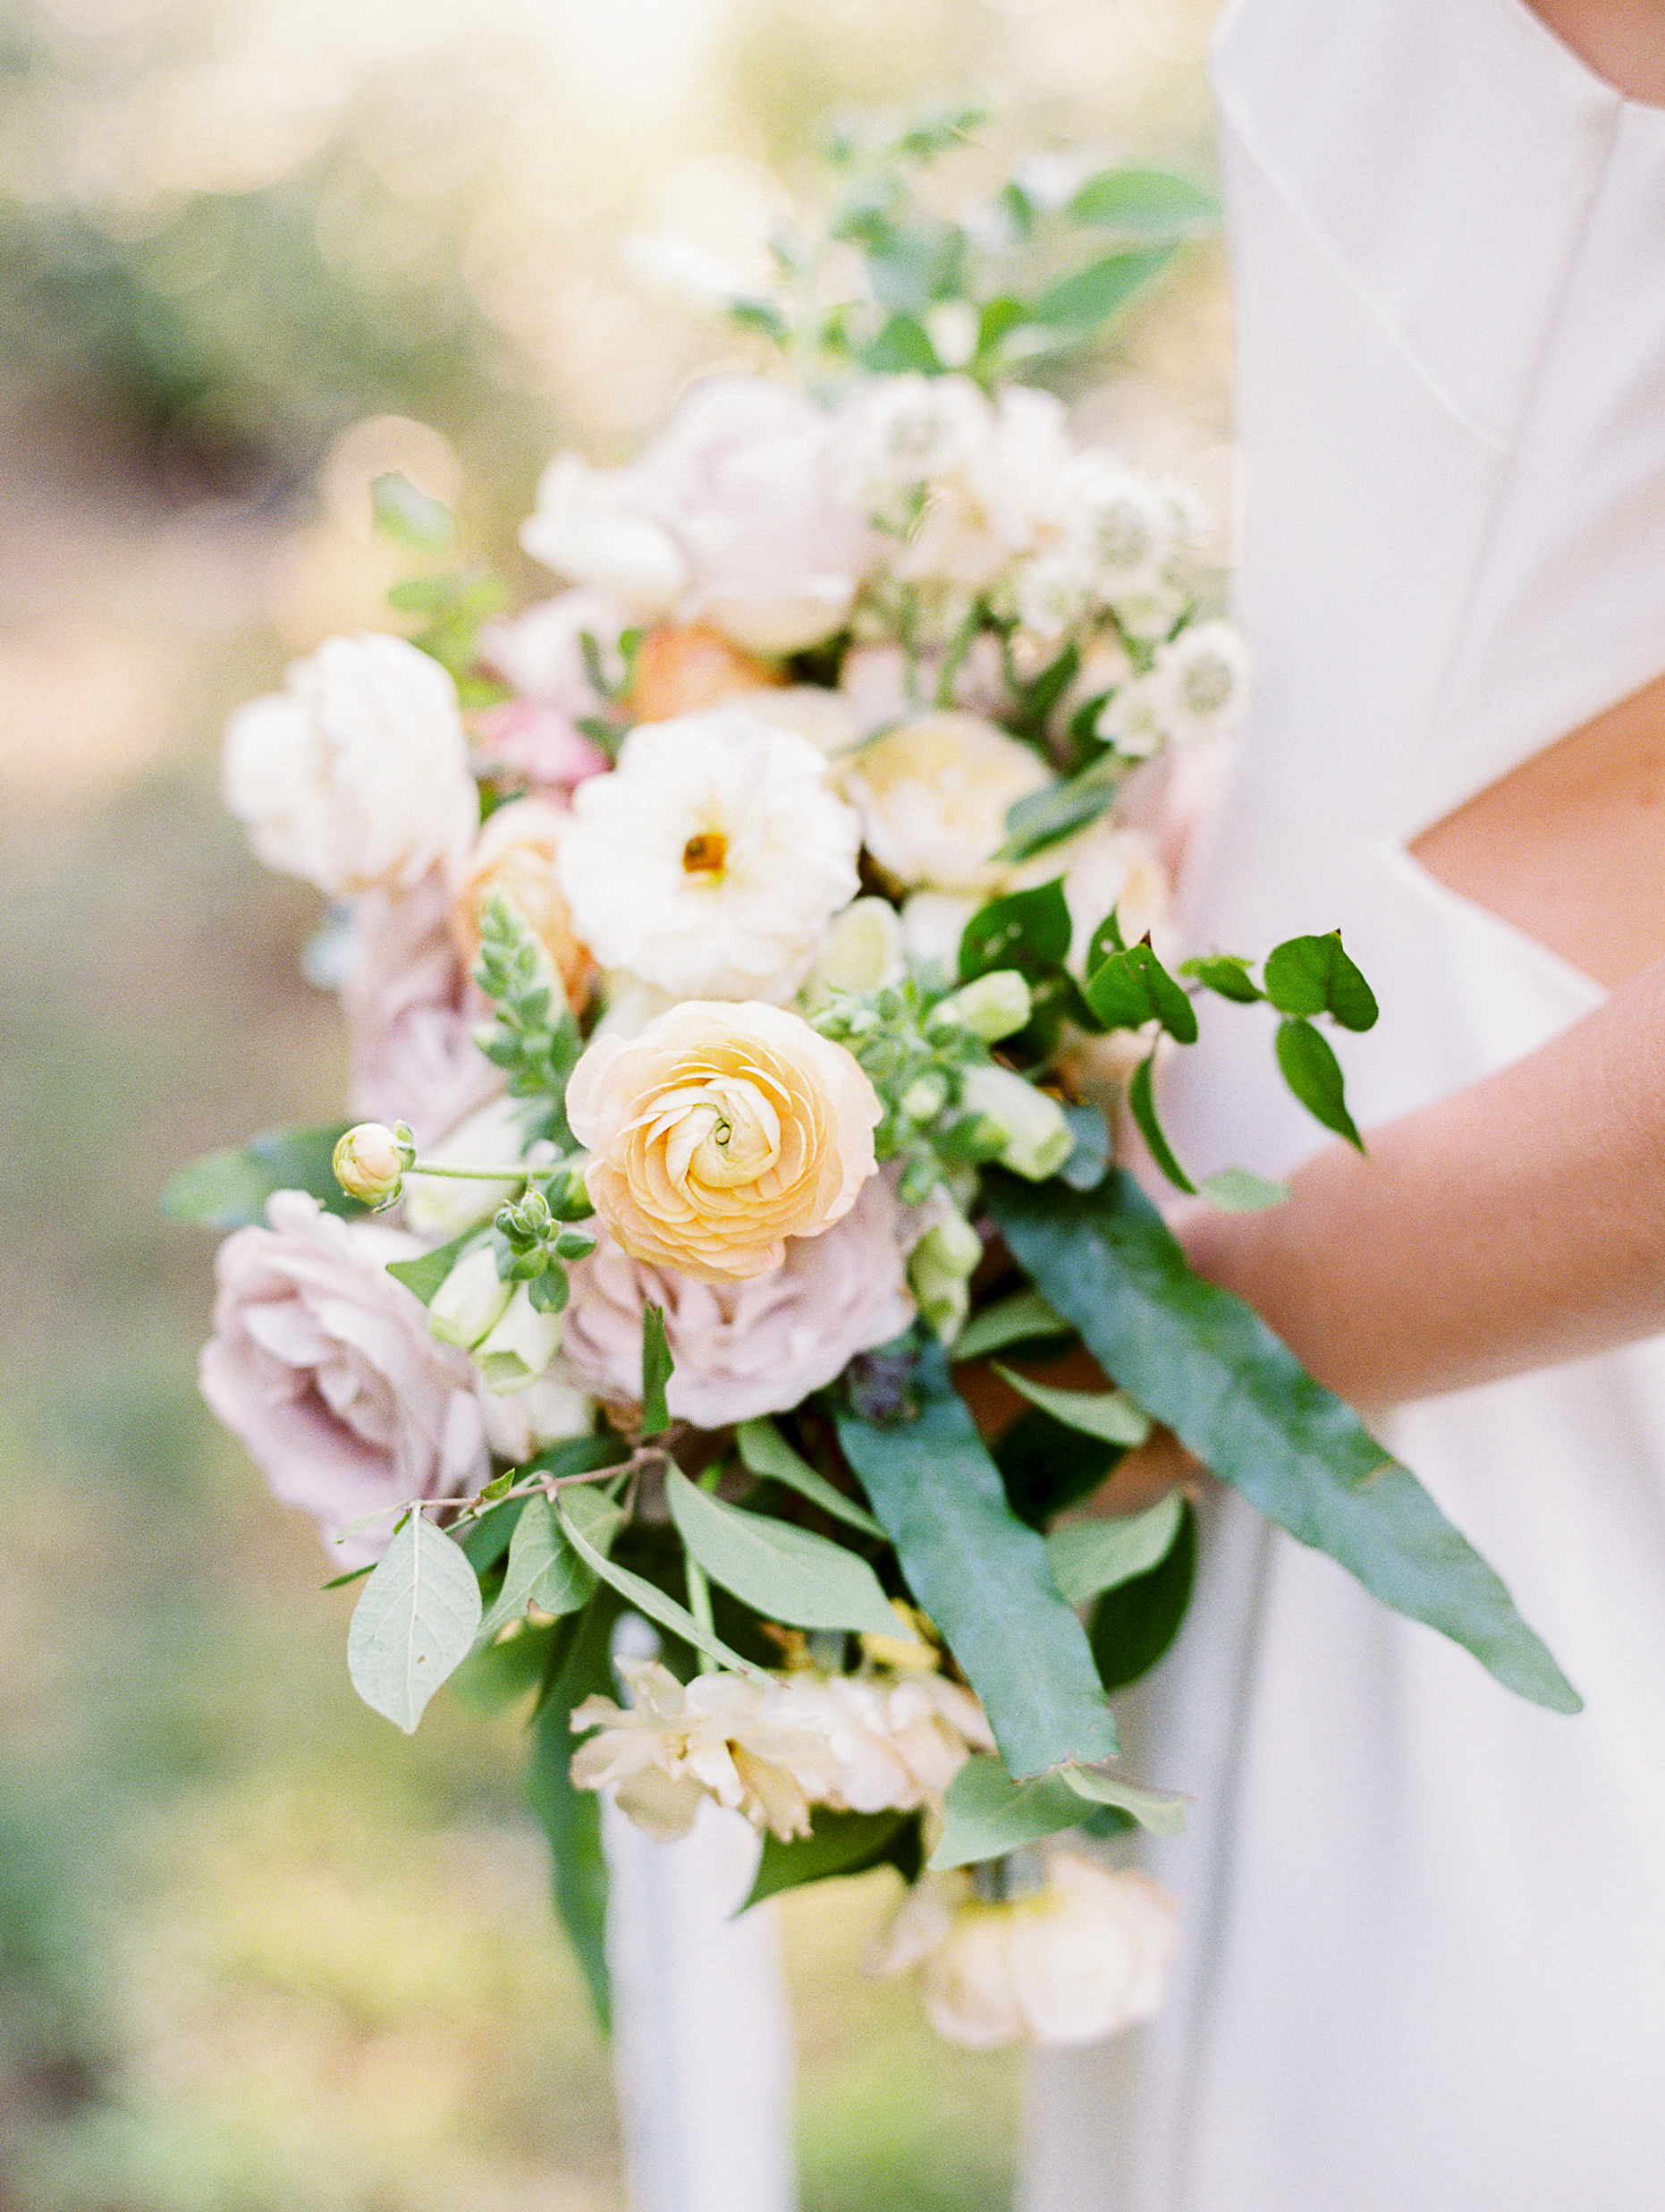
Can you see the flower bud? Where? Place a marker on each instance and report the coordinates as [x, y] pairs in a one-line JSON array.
[[369, 1164], [925, 1098], [939, 1268], [863, 950], [518, 1349], [994, 1006], [1037, 1137], [470, 1301]]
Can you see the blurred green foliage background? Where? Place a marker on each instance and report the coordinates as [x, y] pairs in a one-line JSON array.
[[257, 1953]]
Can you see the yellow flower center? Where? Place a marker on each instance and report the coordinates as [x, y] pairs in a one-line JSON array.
[[706, 853]]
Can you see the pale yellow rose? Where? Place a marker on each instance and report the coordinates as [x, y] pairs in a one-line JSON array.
[[933, 796], [718, 1132]]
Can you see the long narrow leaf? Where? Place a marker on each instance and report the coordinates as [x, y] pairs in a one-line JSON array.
[[650, 1599], [766, 1453]]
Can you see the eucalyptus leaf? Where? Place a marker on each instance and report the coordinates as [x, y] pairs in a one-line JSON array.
[[1089, 297], [1142, 202], [766, 1453], [786, 1574], [981, 1574], [650, 1599], [229, 1190], [1089, 1557], [1110, 1415], [1239, 1190], [1314, 1074], [985, 1813], [571, 1818], [1022, 1318], [1201, 1360], [414, 1623], [840, 1844], [1161, 1810]]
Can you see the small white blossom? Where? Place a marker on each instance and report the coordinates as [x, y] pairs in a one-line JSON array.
[[894, 1744], [712, 861], [1138, 719], [1150, 614], [727, 1736], [1203, 679]]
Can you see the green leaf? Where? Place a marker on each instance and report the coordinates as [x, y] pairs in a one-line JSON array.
[[1085, 1168], [1161, 1810], [570, 1818], [543, 1569], [986, 1813], [1106, 939], [1201, 1360], [1127, 989], [1143, 203], [981, 1574], [1313, 975], [1314, 1074], [229, 1190], [425, 1274], [1089, 1557], [786, 1574], [1046, 1467], [1239, 1190], [647, 1597], [1142, 1104], [840, 1844], [414, 1623], [657, 1369], [1081, 301], [1020, 1320], [1045, 817], [406, 515], [1110, 1415], [767, 1454], [1027, 931], [902, 347], [1225, 974], [1134, 1622]]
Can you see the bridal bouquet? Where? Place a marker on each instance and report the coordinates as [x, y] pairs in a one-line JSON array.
[[742, 950]]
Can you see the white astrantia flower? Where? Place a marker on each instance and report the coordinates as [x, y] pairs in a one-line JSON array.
[[712, 861], [899, 436], [1149, 613], [741, 1740], [1079, 1958], [1136, 720], [356, 775], [1203, 677], [1119, 526]]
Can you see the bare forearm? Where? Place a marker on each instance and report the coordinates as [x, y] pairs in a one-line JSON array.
[[1517, 1224]]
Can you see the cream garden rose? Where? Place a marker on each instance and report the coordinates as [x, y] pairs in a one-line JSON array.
[[356, 775], [933, 796], [719, 1132]]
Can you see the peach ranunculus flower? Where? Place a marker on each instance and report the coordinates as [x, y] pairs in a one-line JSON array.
[[719, 1132], [515, 853], [745, 1349]]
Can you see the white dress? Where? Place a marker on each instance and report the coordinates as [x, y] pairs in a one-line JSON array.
[[1425, 1958]]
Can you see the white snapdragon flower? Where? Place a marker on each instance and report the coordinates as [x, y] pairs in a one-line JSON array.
[[1202, 676], [356, 775], [712, 861], [894, 1744], [933, 796], [725, 1736], [1078, 1959]]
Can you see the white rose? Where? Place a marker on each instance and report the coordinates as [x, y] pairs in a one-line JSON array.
[[1079, 1959], [933, 795], [712, 861], [588, 527], [356, 775]]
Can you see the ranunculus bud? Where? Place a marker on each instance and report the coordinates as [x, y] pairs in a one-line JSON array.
[[991, 1007], [470, 1301], [369, 1164], [1036, 1136], [515, 853], [519, 1346]]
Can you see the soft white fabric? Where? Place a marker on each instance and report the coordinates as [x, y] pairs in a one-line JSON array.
[[1425, 1961]]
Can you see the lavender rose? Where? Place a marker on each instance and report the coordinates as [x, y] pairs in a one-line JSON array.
[[749, 1348], [321, 1364]]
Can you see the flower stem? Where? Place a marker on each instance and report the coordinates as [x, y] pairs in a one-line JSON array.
[[505, 1173], [699, 1605]]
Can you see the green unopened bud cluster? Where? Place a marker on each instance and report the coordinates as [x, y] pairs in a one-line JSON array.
[[538, 1234]]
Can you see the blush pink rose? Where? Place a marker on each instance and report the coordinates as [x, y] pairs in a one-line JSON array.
[[522, 742], [321, 1364], [541, 652], [411, 1013], [745, 1349]]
